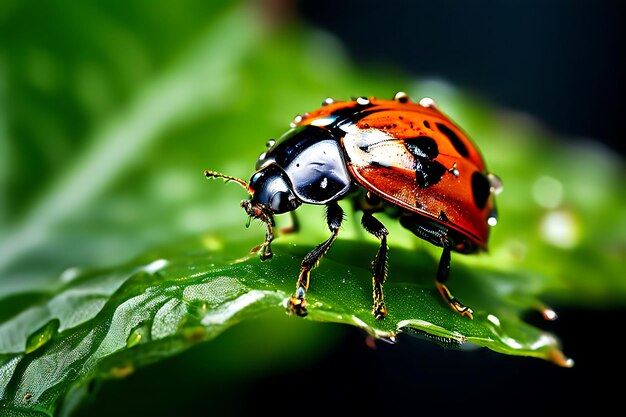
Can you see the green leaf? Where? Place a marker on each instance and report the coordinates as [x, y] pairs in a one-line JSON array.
[[106, 323]]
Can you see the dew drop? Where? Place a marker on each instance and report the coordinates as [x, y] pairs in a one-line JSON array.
[[402, 97], [495, 184], [42, 336], [139, 333], [197, 308], [133, 339], [549, 314], [296, 120], [428, 102]]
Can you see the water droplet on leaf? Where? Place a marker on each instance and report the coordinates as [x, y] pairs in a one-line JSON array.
[[42, 336], [139, 333]]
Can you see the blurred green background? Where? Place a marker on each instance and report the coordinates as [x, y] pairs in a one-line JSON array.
[[110, 111]]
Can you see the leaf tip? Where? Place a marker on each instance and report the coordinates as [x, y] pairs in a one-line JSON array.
[[557, 357]]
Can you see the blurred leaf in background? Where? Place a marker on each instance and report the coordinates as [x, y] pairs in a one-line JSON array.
[[109, 112]]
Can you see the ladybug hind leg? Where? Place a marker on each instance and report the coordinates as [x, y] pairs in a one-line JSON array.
[[334, 218], [442, 276], [379, 264], [437, 234]]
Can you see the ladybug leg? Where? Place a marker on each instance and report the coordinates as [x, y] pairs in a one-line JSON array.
[[266, 249], [442, 276], [259, 212], [266, 252], [379, 264], [334, 218]]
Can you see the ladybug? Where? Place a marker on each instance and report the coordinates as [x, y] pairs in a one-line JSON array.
[[398, 157]]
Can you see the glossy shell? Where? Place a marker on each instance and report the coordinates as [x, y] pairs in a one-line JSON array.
[[414, 156], [313, 160]]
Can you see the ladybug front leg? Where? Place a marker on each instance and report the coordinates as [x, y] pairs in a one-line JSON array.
[[261, 213], [266, 252], [265, 247], [334, 218], [442, 276], [379, 264]]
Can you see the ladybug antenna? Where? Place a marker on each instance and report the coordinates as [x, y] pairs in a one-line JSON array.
[[227, 178]]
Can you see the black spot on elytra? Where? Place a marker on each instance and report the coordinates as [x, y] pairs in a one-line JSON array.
[[454, 139], [427, 124], [443, 217], [422, 147], [428, 173], [480, 189]]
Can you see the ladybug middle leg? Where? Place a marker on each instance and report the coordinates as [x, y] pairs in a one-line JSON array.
[[442, 276], [379, 264], [334, 218]]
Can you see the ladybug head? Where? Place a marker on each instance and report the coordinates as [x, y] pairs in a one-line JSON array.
[[271, 189], [270, 192]]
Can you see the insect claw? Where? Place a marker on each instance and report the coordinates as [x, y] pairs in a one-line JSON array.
[[297, 306], [379, 311]]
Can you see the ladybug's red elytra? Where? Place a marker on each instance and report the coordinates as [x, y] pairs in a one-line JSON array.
[[405, 159]]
